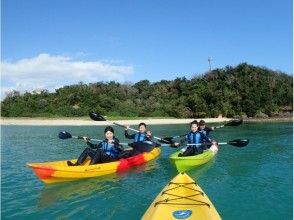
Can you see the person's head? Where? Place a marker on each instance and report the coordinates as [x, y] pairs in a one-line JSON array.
[[201, 124], [194, 125], [142, 127], [109, 132]]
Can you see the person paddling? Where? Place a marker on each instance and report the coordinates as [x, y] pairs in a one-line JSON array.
[[143, 136], [205, 134], [200, 141], [106, 151], [205, 130], [193, 137]]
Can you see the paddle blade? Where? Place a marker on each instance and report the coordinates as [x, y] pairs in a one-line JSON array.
[[239, 142], [96, 117], [169, 140], [64, 135], [143, 146], [234, 122], [166, 140]]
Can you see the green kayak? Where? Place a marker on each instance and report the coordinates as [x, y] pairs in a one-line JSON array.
[[186, 163]]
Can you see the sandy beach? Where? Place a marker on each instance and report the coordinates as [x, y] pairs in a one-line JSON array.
[[89, 122], [83, 122]]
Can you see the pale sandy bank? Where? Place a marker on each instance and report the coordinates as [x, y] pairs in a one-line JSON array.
[[80, 122]]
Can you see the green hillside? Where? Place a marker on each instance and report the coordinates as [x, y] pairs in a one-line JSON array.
[[230, 91]]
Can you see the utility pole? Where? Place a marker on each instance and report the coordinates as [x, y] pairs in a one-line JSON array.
[[209, 62]]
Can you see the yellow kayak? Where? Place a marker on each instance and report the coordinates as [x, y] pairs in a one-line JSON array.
[[181, 198], [59, 171]]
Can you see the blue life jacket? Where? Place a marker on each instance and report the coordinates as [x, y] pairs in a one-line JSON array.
[[109, 149], [204, 136], [194, 138], [140, 137], [205, 131]]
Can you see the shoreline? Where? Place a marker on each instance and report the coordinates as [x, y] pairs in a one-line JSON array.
[[89, 122], [149, 121], [278, 119]]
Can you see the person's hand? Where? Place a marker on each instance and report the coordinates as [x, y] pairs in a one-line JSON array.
[[86, 139], [175, 144], [149, 133], [183, 150], [214, 142], [115, 141], [127, 127]]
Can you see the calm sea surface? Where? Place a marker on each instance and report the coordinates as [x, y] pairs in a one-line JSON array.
[[254, 182]]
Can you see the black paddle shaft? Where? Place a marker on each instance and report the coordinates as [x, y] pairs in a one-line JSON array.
[[97, 117]]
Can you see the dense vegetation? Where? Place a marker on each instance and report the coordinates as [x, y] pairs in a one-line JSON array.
[[244, 89]]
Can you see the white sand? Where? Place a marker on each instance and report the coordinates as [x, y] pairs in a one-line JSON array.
[[81, 122]]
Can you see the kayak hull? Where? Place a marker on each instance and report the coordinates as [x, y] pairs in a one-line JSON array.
[[186, 163], [59, 171], [182, 198]]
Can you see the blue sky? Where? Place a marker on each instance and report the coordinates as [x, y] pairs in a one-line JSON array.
[[50, 43]]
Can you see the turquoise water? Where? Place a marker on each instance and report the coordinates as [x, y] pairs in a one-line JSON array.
[[254, 182]]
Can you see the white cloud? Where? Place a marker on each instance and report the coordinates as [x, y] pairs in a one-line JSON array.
[[50, 72]]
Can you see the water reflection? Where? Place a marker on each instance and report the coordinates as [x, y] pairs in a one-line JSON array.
[[197, 172], [51, 194]]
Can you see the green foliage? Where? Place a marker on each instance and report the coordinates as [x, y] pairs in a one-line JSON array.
[[231, 91]]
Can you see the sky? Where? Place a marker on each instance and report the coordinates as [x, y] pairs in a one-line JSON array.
[[51, 43]]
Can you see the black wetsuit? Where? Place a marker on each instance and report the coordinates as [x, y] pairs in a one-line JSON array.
[[100, 153]]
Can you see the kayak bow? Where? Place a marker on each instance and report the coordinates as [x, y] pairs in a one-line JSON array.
[[186, 163], [182, 198]]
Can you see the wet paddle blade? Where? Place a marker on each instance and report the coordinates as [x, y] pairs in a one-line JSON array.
[[96, 117], [166, 140], [64, 135], [234, 122], [143, 146], [239, 142]]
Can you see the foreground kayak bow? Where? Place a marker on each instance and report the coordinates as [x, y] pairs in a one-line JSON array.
[[182, 198]]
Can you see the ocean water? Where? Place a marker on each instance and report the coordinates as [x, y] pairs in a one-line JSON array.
[[254, 182]]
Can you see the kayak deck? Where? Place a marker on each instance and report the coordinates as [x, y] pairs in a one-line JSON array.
[[182, 198], [59, 171]]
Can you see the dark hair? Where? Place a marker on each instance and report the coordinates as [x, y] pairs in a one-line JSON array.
[[194, 122], [108, 128], [201, 122], [142, 123]]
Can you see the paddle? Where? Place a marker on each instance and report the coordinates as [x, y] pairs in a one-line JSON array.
[[233, 122], [66, 135], [97, 117], [236, 143], [139, 146], [170, 139]]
